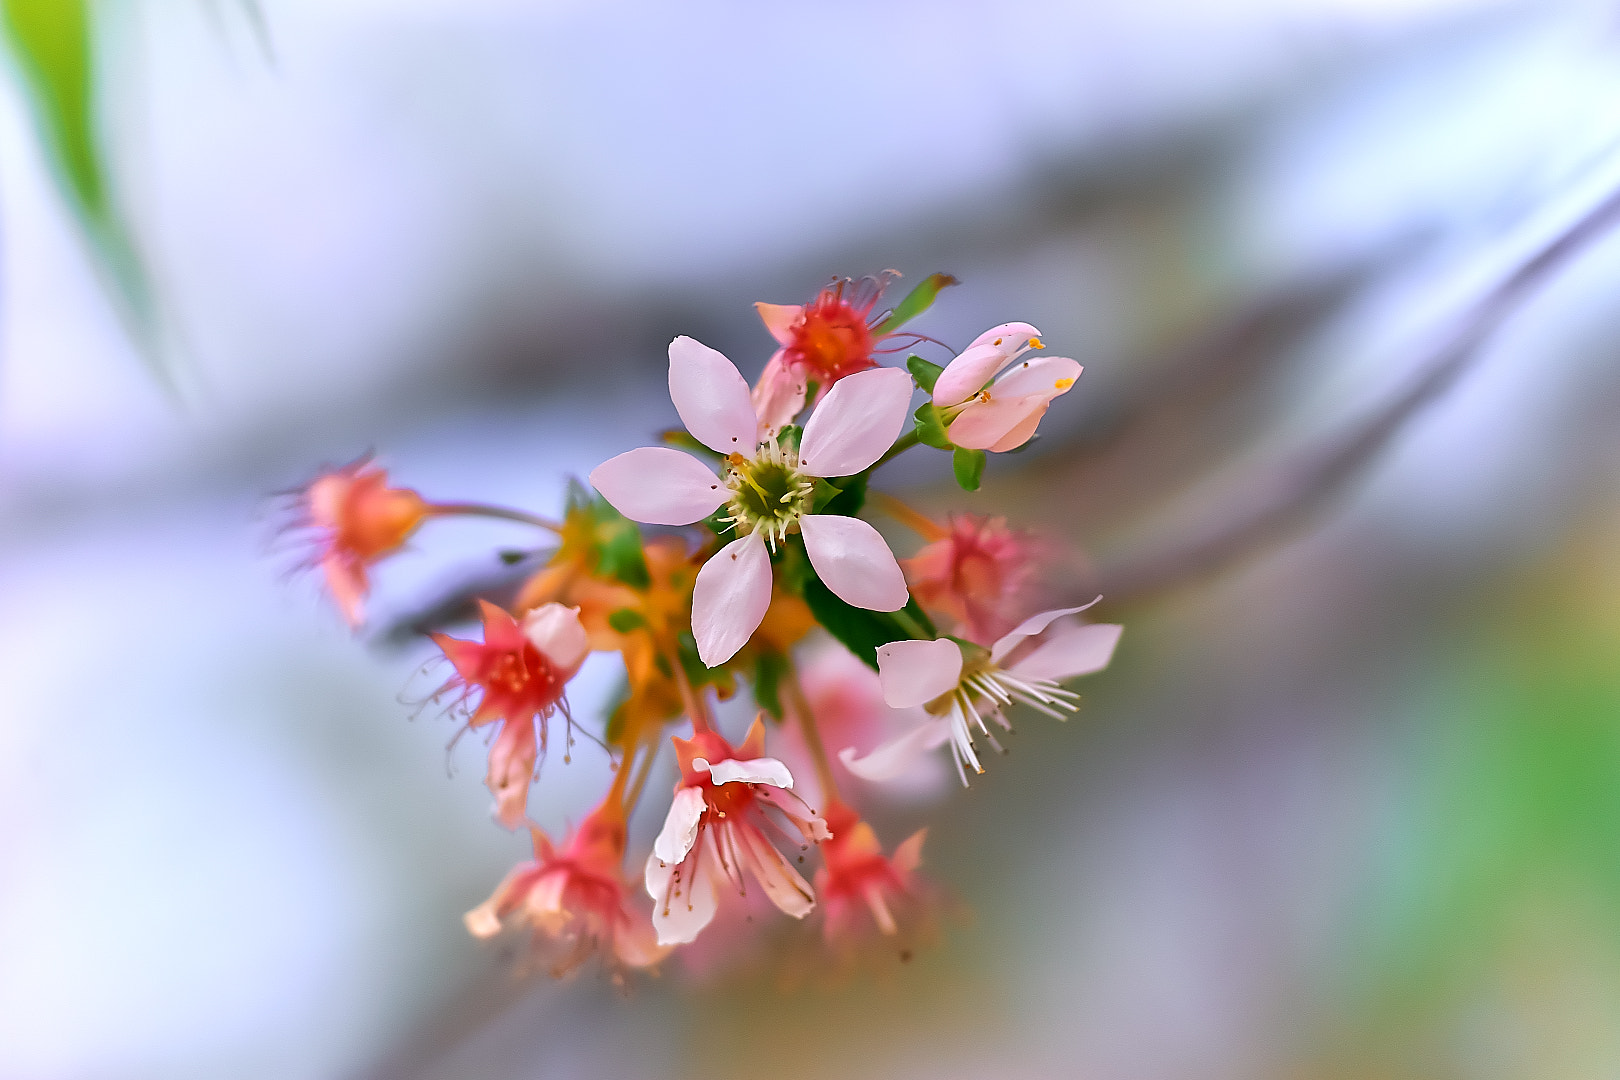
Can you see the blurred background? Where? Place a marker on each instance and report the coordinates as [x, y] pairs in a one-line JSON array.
[[1346, 806]]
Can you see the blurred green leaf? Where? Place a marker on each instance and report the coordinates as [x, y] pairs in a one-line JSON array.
[[930, 432], [768, 671], [925, 373], [917, 301], [968, 466]]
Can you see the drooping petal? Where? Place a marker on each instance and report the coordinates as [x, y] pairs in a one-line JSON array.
[[916, 672], [680, 829], [729, 598], [782, 884], [779, 319], [1011, 335], [511, 770], [984, 424], [556, 631], [897, 756], [712, 397], [481, 921], [1070, 651], [763, 770], [853, 560], [1030, 627], [779, 395], [545, 899], [346, 581], [1049, 375], [683, 906], [856, 422], [659, 485]]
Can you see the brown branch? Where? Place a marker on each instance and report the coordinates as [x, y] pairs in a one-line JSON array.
[[1284, 493]]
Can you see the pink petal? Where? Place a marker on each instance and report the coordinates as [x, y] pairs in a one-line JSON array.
[[1030, 627], [678, 919], [964, 375], [559, 635], [636, 943], [1021, 433], [680, 829], [1014, 333], [908, 856], [984, 424], [763, 770], [854, 561], [511, 770], [898, 756], [779, 319], [856, 422], [712, 398], [729, 598], [660, 486], [917, 672], [1049, 375], [779, 395], [1070, 651], [481, 921], [787, 890]]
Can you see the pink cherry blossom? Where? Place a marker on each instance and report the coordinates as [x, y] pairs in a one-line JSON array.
[[716, 830], [1003, 414], [768, 488], [963, 686]]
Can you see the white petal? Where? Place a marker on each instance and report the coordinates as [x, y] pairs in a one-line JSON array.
[[680, 829], [763, 770], [659, 485], [854, 561], [556, 631], [691, 902], [729, 598], [1029, 627], [917, 672], [1070, 651], [787, 890], [712, 397], [856, 422], [898, 756]]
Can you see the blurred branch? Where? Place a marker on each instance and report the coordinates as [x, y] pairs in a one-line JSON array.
[[1282, 495]]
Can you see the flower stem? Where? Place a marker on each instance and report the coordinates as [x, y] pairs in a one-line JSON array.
[[697, 709], [800, 705], [640, 781], [910, 625], [914, 520], [901, 445], [468, 509]]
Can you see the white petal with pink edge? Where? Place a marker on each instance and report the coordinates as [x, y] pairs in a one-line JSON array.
[[712, 397], [763, 770], [853, 560], [660, 486], [684, 905], [898, 756], [680, 829], [556, 631], [729, 598], [856, 422], [1032, 626], [917, 672], [787, 890], [1070, 651]]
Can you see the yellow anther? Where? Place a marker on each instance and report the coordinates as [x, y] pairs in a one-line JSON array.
[[983, 395], [1035, 343], [736, 460], [1063, 384]]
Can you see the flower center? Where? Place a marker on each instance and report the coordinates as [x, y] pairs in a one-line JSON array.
[[768, 493]]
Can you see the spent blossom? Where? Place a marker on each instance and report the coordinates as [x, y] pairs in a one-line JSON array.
[[963, 685], [973, 573], [821, 342], [518, 674], [356, 520], [768, 488], [855, 874], [727, 804], [1000, 415]]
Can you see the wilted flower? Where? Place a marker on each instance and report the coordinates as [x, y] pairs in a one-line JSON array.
[[357, 519], [1000, 415], [768, 487], [518, 672], [821, 342], [716, 830], [962, 686], [972, 574], [577, 896], [855, 873]]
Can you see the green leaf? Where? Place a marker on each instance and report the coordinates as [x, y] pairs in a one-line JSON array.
[[615, 545], [968, 466], [625, 620], [768, 672], [917, 301], [930, 431], [925, 373], [700, 674], [844, 498], [790, 437]]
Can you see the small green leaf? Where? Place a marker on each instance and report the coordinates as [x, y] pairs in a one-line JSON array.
[[844, 498], [789, 437], [686, 441], [615, 543], [625, 620], [917, 301], [768, 672], [969, 467], [930, 431], [925, 373]]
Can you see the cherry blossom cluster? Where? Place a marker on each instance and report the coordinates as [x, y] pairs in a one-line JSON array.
[[766, 574]]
